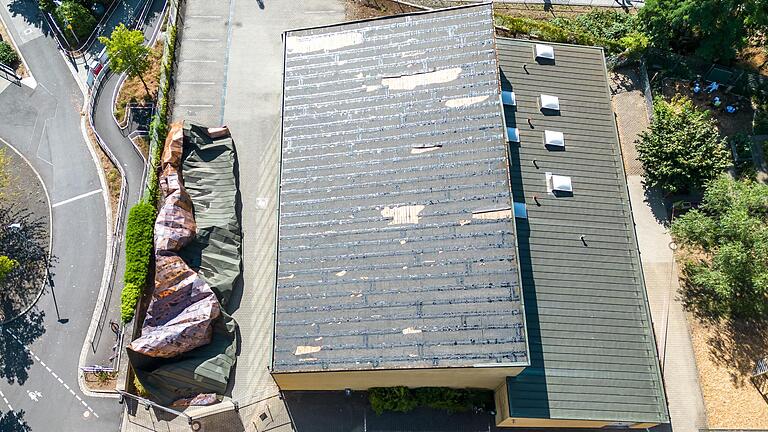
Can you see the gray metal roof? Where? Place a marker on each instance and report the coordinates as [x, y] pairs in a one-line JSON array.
[[396, 241], [593, 354]]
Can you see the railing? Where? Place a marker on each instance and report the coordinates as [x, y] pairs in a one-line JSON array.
[[193, 424], [10, 74]]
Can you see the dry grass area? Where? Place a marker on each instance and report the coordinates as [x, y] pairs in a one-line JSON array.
[[111, 173], [103, 381], [20, 69], [725, 355], [132, 91], [142, 142]]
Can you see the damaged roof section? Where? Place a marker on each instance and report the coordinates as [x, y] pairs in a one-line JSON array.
[[397, 245]]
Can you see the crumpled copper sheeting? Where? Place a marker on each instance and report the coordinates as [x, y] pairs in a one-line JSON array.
[[183, 307]]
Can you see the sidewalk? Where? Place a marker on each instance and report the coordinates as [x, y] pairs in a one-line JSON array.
[[681, 378]]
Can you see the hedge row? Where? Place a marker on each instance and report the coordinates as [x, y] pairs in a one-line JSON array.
[[8, 55], [553, 33], [404, 399], [158, 128], [138, 255]]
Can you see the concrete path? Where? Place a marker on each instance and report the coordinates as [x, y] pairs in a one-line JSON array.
[[41, 356], [681, 378]]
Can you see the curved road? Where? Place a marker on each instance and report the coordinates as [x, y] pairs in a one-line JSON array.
[[43, 123]]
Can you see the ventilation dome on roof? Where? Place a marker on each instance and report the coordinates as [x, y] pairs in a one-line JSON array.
[[550, 102], [545, 51]]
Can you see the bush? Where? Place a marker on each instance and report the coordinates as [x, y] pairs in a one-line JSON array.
[[47, 6], [552, 32], [730, 233], [760, 123], [7, 265], [8, 55], [682, 150], [75, 17], [600, 23], [404, 399], [138, 255]]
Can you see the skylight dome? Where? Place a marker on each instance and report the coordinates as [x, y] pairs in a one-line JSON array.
[[550, 102], [554, 138], [545, 51], [558, 183]]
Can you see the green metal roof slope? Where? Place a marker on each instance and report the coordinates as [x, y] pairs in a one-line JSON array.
[[593, 354]]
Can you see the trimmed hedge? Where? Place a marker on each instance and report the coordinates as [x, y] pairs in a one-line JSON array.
[[8, 55], [138, 255], [404, 399]]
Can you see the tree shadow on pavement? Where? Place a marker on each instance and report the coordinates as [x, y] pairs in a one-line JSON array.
[[13, 421], [30, 11], [15, 359]]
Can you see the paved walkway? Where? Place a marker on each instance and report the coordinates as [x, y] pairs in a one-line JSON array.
[[230, 72], [681, 378]]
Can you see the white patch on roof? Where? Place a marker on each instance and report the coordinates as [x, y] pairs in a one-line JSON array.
[[410, 82], [467, 101], [411, 330], [503, 213], [403, 215], [306, 349], [308, 44], [341, 273]]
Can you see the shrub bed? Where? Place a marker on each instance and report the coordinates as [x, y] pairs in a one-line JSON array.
[[138, 255], [8, 55], [404, 399]]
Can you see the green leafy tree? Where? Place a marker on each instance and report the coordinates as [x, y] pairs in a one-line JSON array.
[[127, 53], [682, 149], [715, 29], [7, 265], [730, 231], [76, 18], [47, 6]]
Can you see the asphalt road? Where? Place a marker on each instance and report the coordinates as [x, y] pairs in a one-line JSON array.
[[40, 373]]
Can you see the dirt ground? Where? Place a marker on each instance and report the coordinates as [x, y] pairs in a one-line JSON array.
[[114, 180], [108, 381], [20, 69], [754, 57], [725, 355], [728, 124]]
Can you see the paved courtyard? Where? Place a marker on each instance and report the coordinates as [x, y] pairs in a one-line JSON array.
[[681, 379]]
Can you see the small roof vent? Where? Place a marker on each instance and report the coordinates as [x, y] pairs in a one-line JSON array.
[[550, 102], [554, 138], [557, 183], [545, 51], [513, 135], [508, 98]]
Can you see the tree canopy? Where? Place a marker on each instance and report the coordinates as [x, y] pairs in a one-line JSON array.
[[682, 149], [714, 29], [729, 237], [127, 52], [76, 17]]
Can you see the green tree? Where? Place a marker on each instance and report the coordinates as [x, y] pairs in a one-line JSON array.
[[76, 17], [682, 149], [7, 265], [47, 6], [730, 232], [715, 29], [127, 53]]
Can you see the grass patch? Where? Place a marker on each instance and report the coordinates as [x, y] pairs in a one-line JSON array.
[[132, 91]]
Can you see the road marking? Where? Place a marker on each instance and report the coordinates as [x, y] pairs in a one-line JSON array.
[[81, 196], [49, 370]]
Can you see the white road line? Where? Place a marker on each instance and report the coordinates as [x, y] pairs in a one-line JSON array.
[[10, 408], [81, 196], [46, 368]]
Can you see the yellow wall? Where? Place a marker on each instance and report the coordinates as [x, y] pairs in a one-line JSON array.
[[564, 423], [481, 377]]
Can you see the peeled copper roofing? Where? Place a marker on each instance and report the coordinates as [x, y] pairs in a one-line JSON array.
[[183, 306]]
